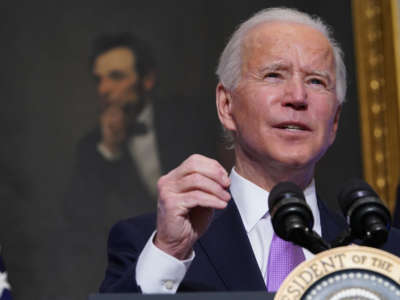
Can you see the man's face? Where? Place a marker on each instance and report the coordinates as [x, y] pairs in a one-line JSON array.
[[117, 80], [285, 110]]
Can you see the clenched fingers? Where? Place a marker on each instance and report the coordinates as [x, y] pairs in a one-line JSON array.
[[205, 166], [196, 181]]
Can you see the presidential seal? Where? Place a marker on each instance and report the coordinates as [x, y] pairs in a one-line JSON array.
[[344, 273]]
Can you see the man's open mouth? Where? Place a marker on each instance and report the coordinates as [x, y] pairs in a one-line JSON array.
[[293, 126]]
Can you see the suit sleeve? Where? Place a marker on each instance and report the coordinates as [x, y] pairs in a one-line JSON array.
[[166, 272], [148, 270], [126, 241]]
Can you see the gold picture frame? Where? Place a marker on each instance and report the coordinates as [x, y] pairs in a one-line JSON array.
[[376, 35]]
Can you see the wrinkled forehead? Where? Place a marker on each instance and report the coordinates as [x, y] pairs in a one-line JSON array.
[[286, 38]]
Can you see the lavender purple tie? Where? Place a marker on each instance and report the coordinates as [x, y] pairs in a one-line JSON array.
[[283, 258]]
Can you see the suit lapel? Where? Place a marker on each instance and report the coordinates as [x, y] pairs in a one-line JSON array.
[[228, 248]]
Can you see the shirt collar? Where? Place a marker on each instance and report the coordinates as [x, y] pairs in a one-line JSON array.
[[251, 211]]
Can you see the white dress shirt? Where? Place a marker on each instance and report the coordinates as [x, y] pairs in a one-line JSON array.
[[252, 203], [144, 150]]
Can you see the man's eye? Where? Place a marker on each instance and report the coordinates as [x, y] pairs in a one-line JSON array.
[[317, 81], [272, 75]]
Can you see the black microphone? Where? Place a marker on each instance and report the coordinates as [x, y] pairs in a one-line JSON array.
[[292, 218], [368, 217]]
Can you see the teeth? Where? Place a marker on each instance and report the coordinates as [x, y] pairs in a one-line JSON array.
[[293, 127]]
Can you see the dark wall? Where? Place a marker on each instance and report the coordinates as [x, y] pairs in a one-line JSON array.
[[48, 103]]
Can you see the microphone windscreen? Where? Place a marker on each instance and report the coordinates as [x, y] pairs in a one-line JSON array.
[[354, 189], [282, 189]]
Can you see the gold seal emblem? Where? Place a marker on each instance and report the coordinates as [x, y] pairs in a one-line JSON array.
[[351, 272]]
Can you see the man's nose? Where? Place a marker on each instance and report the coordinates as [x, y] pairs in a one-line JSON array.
[[104, 87], [296, 94]]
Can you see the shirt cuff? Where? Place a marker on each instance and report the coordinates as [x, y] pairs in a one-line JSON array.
[[107, 154], [159, 272]]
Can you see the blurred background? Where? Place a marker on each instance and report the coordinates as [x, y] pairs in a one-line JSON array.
[[49, 102]]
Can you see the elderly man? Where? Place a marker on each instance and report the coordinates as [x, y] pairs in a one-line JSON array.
[[282, 84]]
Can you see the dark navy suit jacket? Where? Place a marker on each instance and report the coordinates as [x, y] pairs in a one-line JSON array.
[[224, 258]]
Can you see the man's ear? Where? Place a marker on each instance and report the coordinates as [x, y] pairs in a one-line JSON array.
[[224, 107], [149, 81]]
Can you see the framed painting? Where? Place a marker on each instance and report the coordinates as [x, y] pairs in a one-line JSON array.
[[376, 32]]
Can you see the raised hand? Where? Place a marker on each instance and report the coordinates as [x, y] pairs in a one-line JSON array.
[[187, 197]]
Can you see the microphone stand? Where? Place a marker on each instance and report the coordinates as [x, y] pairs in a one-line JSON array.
[[309, 239]]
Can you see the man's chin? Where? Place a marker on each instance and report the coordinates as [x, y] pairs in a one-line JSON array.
[[297, 162]]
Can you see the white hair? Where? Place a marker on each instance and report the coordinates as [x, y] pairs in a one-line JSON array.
[[229, 67]]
